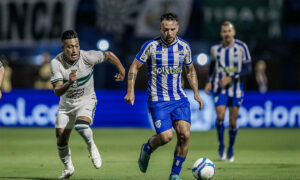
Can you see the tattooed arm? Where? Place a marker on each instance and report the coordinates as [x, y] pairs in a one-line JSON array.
[[193, 81], [129, 98]]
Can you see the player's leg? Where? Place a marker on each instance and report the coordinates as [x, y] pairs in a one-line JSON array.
[[233, 115], [160, 113], [221, 109], [82, 126], [181, 117], [220, 103], [153, 143], [63, 131], [182, 129], [84, 118]]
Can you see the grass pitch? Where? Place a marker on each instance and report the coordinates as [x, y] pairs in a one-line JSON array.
[[260, 154]]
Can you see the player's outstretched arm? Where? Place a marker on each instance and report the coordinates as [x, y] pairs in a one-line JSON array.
[[60, 88], [116, 62], [134, 68], [2, 72], [193, 81]]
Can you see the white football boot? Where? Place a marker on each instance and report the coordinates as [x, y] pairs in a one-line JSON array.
[[95, 156], [222, 157], [67, 172]]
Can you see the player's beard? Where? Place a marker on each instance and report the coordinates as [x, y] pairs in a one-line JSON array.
[[169, 39]]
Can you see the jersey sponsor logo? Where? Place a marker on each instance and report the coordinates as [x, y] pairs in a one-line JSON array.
[[75, 94], [229, 70], [167, 70], [157, 124]]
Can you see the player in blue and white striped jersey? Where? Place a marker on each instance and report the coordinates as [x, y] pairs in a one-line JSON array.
[[2, 71], [230, 62], [167, 101]]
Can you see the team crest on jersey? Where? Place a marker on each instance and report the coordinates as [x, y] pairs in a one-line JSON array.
[[157, 124]]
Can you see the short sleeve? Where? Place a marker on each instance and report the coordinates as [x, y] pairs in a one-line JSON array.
[[1, 64], [212, 54], [56, 75], [144, 53], [93, 57], [246, 55], [188, 55]]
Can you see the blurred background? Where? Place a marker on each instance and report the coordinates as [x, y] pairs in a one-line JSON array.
[[30, 33]]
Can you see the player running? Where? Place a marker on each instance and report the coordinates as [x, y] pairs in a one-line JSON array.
[[72, 79], [167, 101], [230, 62]]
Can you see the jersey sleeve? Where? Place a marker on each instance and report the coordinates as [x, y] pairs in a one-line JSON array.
[[188, 55], [93, 57], [144, 53], [1, 64], [56, 75], [246, 54]]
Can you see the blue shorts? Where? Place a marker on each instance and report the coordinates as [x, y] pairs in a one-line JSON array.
[[166, 112], [223, 99]]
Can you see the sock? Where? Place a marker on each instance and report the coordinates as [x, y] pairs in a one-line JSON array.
[[177, 164], [64, 153], [147, 148], [83, 128], [232, 134], [220, 131]]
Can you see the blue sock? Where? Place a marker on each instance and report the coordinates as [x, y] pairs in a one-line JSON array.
[[220, 131], [147, 148], [177, 164], [232, 134]]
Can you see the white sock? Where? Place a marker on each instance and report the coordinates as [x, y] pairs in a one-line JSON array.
[[64, 153], [86, 133]]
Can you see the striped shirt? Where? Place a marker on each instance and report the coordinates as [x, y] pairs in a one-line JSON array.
[[84, 66], [228, 62], [165, 67]]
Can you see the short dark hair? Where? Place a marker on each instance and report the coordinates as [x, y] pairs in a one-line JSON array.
[[169, 17], [69, 34], [228, 23]]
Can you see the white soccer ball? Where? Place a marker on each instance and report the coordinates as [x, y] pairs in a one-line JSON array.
[[203, 169]]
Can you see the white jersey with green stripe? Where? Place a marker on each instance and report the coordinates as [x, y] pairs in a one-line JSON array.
[[84, 66]]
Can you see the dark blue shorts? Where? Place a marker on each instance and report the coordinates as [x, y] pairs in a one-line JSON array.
[[166, 112], [223, 99]]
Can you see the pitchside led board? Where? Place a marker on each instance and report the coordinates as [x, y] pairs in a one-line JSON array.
[[33, 108]]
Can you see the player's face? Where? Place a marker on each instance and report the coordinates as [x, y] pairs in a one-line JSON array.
[[169, 30], [71, 49], [227, 33]]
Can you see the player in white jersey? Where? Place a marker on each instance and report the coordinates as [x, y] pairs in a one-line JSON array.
[[167, 101], [230, 62], [72, 79], [2, 71]]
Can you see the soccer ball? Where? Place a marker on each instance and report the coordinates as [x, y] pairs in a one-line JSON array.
[[203, 169]]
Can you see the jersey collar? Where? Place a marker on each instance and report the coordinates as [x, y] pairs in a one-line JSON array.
[[168, 45]]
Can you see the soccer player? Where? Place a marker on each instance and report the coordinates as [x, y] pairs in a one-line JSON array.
[[167, 101], [2, 71], [72, 79], [230, 62]]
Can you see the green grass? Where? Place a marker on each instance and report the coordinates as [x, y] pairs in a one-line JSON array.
[[260, 154]]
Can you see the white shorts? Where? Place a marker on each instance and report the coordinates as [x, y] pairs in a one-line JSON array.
[[69, 111]]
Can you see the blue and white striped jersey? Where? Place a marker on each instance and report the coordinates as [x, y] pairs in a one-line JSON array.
[[229, 62], [165, 67]]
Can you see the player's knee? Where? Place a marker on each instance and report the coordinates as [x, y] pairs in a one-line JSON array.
[[221, 116], [183, 137], [165, 138], [81, 124], [61, 141]]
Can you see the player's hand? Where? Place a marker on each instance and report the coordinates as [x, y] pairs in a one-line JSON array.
[[72, 76], [207, 88], [120, 76], [225, 81], [129, 98], [199, 100]]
